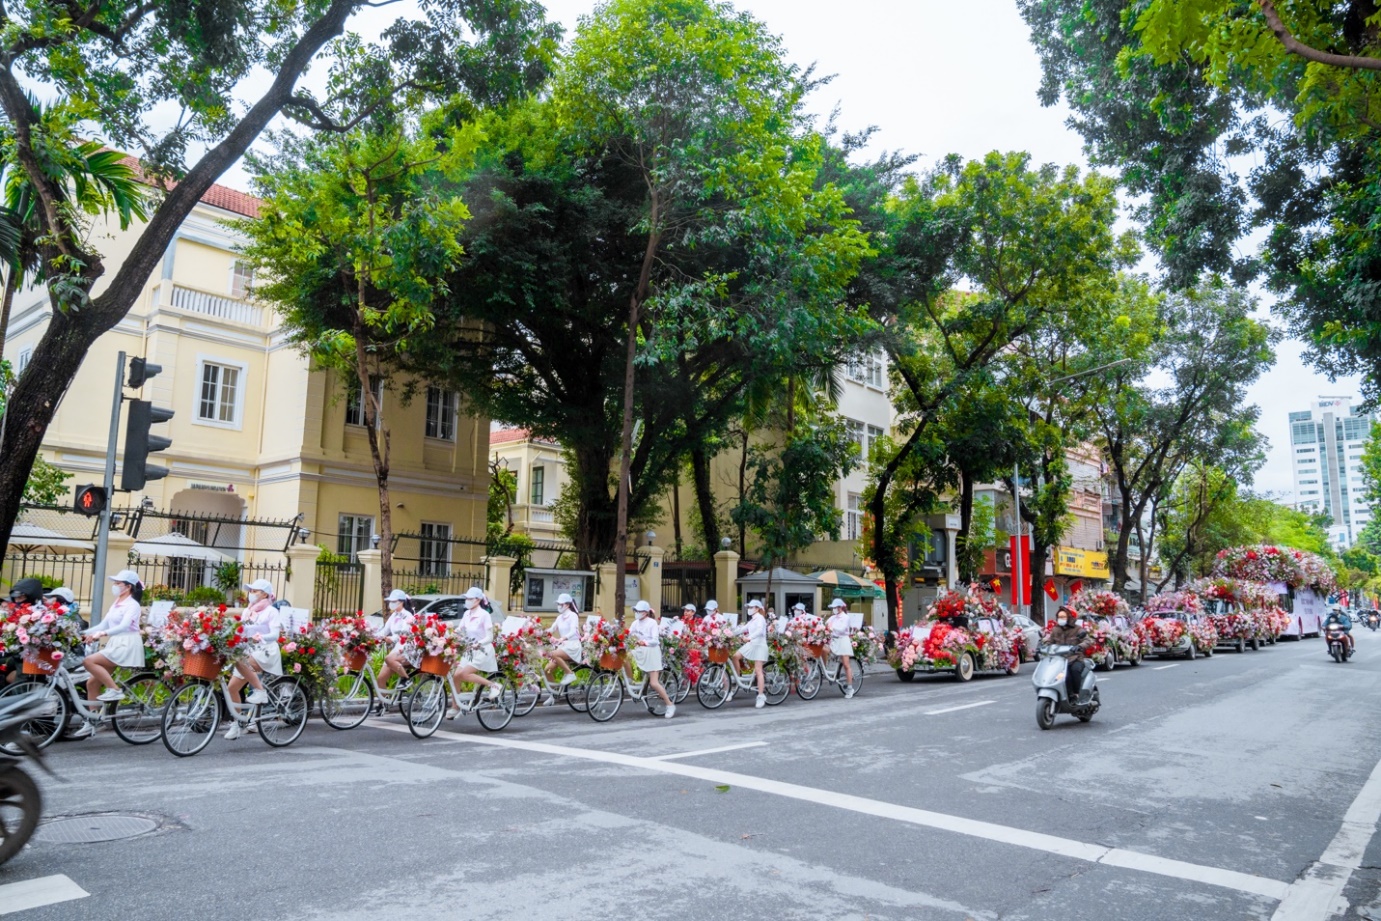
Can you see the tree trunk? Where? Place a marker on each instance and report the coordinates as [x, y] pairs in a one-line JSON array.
[[704, 500], [743, 494], [961, 541], [596, 515], [379, 453], [1039, 552], [11, 282], [676, 510]]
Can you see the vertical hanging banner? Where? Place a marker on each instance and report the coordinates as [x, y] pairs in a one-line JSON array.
[[1021, 561]]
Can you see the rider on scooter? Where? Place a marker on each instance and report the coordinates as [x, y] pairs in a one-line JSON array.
[[1343, 621], [1068, 632]]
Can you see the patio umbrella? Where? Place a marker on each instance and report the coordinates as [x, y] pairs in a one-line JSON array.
[[177, 546], [30, 538], [845, 585]]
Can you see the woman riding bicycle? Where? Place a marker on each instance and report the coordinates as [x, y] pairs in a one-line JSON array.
[[755, 650], [676, 625], [648, 653], [480, 658], [396, 628], [567, 652], [260, 621], [841, 645], [124, 646]]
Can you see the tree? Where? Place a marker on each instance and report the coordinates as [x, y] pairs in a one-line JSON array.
[[356, 234], [1206, 513], [1176, 93], [117, 67]]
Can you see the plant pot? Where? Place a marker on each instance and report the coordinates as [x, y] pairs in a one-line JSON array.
[[202, 665], [611, 661], [434, 665], [816, 651], [717, 655], [355, 659], [40, 662]]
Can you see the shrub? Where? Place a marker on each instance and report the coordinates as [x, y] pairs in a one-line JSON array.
[[203, 595]]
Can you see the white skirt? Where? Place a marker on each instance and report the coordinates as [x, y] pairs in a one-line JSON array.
[[841, 646], [648, 658], [756, 651], [572, 648], [125, 650], [268, 657], [482, 659]]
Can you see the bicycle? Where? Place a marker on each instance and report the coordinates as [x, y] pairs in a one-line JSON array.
[[607, 689], [426, 706], [194, 713], [536, 686], [358, 696], [136, 718], [816, 672], [721, 681]]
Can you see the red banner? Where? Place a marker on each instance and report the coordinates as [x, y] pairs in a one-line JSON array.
[[1021, 560], [1051, 590], [1076, 586]]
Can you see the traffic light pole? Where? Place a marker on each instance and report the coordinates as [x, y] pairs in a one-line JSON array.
[[103, 529]]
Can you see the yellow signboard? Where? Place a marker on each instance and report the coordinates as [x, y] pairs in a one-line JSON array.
[[1087, 564]]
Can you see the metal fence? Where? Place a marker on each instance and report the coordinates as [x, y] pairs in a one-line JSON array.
[[176, 577], [231, 536], [339, 588], [52, 569], [427, 582], [682, 585]]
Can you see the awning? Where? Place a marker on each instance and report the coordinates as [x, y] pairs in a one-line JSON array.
[[845, 585], [180, 547]]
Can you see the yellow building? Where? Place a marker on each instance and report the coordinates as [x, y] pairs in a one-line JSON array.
[[258, 434], [540, 469]]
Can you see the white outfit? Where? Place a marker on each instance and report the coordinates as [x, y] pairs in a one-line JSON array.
[[755, 650], [262, 622], [648, 653], [840, 644], [478, 628], [714, 620], [567, 627], [397, 626], [125, 647]]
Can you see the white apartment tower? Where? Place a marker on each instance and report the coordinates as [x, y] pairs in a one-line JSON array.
[[1326, 444]]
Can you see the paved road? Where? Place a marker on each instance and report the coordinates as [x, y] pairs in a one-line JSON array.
[[1245, 786]]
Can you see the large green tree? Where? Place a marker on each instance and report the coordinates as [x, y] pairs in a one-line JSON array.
[[118, 67]]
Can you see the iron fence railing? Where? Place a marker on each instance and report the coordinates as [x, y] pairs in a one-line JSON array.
[[339, 588]]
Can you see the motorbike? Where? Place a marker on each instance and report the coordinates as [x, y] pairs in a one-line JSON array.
[[21, 802], [1051, 696], [1338, 646], [1374, 620]]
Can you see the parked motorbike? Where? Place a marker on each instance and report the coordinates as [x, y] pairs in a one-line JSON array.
[[1051, 696], [21, 803], [1338, 646]]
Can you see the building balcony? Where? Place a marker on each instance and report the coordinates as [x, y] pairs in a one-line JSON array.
[[211, 305]]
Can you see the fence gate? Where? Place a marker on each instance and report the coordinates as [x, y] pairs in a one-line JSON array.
[[340, 588]]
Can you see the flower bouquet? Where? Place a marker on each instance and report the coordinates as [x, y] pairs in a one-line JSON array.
[[810, 633], [1171, 602], [1164, 632], [519, 652], [1100, 604], [1101, 651], [355, 639], [433, 645], [1203, 635], [720, 641], [1259, 563], [313, 656], [202, 643], [944, 644], [907, 649], [41, 637], [608, 644], [975, 602], [678, 650], [866, 644], [783, 648]]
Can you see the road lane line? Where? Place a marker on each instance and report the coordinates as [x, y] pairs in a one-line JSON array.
[[36, 893], [1318, 893], [706, 751], [1161, 668], [981, 703], [1003, 834]]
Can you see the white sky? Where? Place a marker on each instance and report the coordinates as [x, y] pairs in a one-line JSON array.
[[939, 77]]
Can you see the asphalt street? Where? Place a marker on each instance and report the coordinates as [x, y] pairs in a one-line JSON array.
[[1239, 787]]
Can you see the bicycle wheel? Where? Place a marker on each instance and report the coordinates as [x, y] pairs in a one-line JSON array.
[[349, 702], [526, 695], [652, 700], [678, 688], [776, 685], [21, 806], [605, 696], [426, 705], [41, 730], [283, 718], [191, 718], [808, 684], [578, 694], [714, 687], [139, 717], [841, 679], [496, 714]]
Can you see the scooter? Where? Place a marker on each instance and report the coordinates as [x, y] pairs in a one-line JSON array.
[[1373, 621], [17, 789], [1051, 696], [1338, 646]]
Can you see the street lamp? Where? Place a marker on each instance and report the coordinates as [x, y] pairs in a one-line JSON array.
[[1016, 498], [651, 536]]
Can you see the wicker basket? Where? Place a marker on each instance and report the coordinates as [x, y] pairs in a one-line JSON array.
[[355, 659], [717, 654], [202, 665], [815, 651], [434, 665], [611, 661], [40, 662]]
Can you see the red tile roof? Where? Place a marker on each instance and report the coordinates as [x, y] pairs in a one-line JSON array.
[[218, 196], [504, 436]]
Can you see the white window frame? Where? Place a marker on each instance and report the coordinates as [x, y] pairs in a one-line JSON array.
[[352, 395], [857, 432], [533, 475], [242, 381], [26, 355], [438, 565], [440, 420], [358, 541], [853, 516], [873, 433], [243, 280]]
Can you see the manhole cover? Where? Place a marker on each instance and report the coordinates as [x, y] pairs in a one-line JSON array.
[[90, 828]]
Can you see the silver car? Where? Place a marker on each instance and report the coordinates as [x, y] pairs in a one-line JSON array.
[[1030, 635]]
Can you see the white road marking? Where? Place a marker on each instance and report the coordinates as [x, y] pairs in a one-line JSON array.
[[1019, 837], [1318, 893], [706, 751], [35, 893], [1161, 668], [981, 703]]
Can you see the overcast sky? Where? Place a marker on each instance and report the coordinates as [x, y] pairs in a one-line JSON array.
[[939, 77]]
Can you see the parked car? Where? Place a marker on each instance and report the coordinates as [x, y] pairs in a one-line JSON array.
[[1030, 636], [449, 608]]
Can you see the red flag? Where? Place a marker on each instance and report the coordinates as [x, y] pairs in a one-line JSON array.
[[1051, 590], [1076, 586], [995, 585]]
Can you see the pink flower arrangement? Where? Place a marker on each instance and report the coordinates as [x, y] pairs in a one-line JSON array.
[[1103, 604]]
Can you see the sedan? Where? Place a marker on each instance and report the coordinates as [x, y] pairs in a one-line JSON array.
[[1031, 636], [449, 608]]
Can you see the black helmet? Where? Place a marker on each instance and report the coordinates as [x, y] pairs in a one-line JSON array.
[[31, 589]]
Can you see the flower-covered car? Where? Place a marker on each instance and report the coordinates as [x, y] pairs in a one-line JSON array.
[[1175, 625], [966, 633]]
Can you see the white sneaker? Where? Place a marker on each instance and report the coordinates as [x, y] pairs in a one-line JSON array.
[[549, 701], [761, 702], [494, 692], [848, 693], [258, 697], [111, 696], [84, 731], [671, 711], [252, 727], [568, 678], [233, 732]]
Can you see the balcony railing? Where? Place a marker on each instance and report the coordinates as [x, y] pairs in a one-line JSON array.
[[213, 305]]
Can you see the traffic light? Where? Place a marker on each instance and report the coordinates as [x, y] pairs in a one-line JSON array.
[[140, 371], [139, 444], [90, 500]]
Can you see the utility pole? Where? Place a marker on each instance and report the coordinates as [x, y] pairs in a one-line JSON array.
[[103, 529]]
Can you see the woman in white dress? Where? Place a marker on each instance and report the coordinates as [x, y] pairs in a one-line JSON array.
[[480, 659], [712, 617], [676, 624], [648, 653], [399, 624], [567, 652], [841, 646], [755, 650], [124, 646], [260, 621]]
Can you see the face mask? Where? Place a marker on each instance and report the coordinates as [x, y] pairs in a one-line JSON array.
[[395, 606], [1062, 621], [117, 589], [471, 603]]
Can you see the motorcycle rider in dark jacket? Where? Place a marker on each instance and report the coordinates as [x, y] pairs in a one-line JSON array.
[[1068, 632]]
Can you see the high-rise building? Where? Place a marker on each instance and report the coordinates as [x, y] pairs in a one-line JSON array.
[[1326, 443]]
